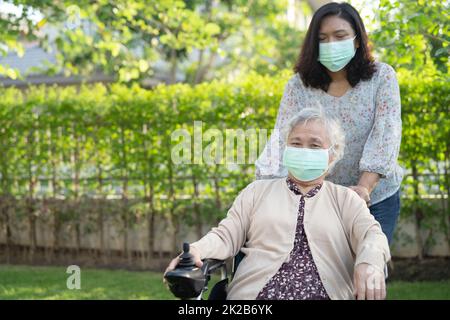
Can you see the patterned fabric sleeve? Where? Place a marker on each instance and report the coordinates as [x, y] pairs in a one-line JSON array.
[[382, 146], [269, 165]]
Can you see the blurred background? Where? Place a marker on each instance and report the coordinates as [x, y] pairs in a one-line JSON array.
[[91, 92]]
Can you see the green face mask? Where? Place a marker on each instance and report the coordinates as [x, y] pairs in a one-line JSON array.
[[306, 164], [337, 54]]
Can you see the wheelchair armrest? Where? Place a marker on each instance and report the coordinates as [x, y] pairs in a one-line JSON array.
[[210, 265], [218, 291]]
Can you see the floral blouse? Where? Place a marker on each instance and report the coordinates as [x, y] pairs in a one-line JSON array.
[[297, 279], [370, 116]]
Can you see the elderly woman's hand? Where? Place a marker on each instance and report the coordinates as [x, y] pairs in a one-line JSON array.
[[196, 256], [369, 282]]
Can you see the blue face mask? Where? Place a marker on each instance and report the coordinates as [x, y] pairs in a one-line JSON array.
[[337, 54], [306, 164]]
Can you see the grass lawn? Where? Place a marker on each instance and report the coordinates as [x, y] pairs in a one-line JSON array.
[[25, 282]]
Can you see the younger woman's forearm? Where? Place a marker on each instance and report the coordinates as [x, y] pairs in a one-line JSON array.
[[369, 180]]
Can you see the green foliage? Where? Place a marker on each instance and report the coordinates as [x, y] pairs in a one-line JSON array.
[[125, 38], [116, 141], [425, 151], [414, 35]]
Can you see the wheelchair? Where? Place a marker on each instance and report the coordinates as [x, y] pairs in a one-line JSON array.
[[188, 282]]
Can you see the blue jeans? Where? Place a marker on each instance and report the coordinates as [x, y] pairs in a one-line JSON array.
[[386, 213]]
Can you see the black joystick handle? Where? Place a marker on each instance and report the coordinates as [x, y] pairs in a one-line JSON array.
[[186, 258]]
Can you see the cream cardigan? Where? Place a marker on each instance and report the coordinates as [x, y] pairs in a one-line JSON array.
[[261, 223]]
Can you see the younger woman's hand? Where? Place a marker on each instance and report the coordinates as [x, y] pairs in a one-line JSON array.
[[363, 192]]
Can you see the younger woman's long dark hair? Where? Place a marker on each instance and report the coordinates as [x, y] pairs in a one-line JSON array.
[[312, 72]]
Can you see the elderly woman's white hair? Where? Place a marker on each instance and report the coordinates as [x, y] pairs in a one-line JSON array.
[[332, 126]]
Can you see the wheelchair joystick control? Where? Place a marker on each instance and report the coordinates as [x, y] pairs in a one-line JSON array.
[[187, 280], [186, 259]]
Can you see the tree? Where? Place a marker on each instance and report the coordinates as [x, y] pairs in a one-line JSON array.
[[414, 35], [125, 39]]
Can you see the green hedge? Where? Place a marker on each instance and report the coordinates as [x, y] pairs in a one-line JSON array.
[[99, 141]]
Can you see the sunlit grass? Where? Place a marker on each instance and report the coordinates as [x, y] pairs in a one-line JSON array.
[[25, 282], [423, 290]]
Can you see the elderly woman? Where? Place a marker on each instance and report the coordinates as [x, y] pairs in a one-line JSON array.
[[303, 237]]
